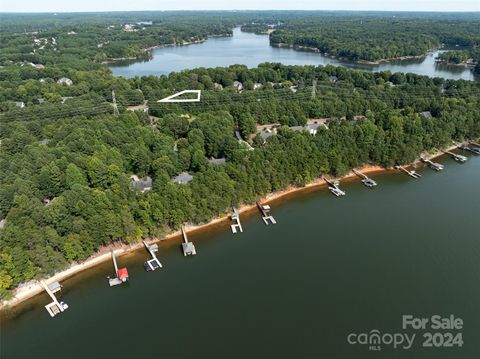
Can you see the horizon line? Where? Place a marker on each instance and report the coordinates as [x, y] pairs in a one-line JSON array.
[[237, 10]]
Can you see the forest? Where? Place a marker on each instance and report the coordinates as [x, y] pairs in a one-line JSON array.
[[67, 157]]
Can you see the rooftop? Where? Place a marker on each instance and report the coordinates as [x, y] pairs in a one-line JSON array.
[[183, 178]]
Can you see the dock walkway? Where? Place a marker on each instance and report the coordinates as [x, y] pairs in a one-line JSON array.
[[154, 263], [55, 307], [411, 173], [265, 211], [187, 247], [367, 181]]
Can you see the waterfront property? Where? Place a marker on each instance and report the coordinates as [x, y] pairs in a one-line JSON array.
[[121, 275], [367, 181], [433, 165], [334, 187], [188, 248], [457, 157], [265, 211], [153, 263], [411, 173], [237, 225], [55, 307]]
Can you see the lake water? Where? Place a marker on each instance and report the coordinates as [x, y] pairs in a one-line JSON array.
[[329, 267], [250, 49]]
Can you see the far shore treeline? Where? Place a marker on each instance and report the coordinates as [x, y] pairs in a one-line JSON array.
[[66, 158]]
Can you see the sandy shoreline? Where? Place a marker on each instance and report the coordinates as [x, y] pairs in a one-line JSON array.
[[31, 289]]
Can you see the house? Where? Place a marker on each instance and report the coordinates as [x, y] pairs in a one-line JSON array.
[[313, 128], [426, 114], [297, 128], [217, 87], [71, 33], [217, 161], [141, 184], [65, 81], [333, 78], [40, 100], [2, 223], [266, 134], [183, 178], [20, 104], [257, 86], [66, 98], [45, 141], [238, 85]]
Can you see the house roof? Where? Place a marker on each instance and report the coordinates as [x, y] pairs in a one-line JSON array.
[[183, 177], [426, 114], [217, 161], [142, 184]]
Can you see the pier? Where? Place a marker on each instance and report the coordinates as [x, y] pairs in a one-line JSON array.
[[368, 182], [121, 274], [187, 247], [265, 211], [411, 173], [55, 307], [433, 165], [474, 150], [153, 263], [334, 187], [456, 157], [237, 226]]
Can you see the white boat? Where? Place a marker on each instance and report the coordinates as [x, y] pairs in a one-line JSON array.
[[336, 191]]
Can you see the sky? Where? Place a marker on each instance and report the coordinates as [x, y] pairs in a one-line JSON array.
[[129, 5]]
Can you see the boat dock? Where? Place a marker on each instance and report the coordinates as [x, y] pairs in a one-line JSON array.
[[187, 247], [236, 218], [265, 211], [411, 173], [474, 150], [153, 263], [121, 274], [334, 187], [55, 307], [433, 165], [368, 182], [456, 157]]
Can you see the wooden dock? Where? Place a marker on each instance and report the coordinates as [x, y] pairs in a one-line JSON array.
[[411, 173], [334, 187], [474, 150], [121, 275], [367, 181], [456, 157], [265, 211], [55, 307], [433, 165], [187, 247], [153, 263], [235, 216]]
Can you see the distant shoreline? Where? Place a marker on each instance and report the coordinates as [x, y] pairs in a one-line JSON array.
[[362, 62], [31, 289]]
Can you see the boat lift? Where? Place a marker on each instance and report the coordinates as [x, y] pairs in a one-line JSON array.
[[236, 218], [367, 181], [121, 274], [334, 187], [265, 211], [411, 173], [456, 157], [475, 150], [55, 307], [187, 247], [153, 263], [433, 165]]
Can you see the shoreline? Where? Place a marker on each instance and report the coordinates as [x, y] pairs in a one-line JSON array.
[[31, 289], [343, 59]]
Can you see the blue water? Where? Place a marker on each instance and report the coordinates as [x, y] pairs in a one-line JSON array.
[[251, 50]]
